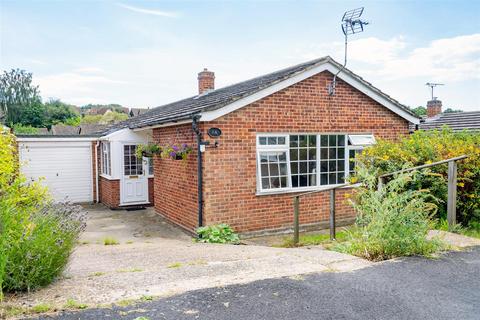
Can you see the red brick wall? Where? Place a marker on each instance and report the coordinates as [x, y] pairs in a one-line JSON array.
[[230, 170], [175, 189], [151, 193], [109, 192]]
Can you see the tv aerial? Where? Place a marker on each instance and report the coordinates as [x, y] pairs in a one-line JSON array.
[[433, 85], [351, 24]]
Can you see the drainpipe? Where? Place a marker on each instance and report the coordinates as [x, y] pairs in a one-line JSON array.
[[196, 129], [96, 171]]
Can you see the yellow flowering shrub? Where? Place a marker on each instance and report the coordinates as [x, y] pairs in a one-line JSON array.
[[431, 146]]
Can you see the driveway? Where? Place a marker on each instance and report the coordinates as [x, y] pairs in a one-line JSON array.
[[156, 259], [411, 288]]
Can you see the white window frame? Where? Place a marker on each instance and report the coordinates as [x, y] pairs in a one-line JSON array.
[[286, 148], [106, 158], [148, 161]]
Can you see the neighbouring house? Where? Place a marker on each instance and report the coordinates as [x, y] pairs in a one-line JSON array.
[[256, 144], [456, 121]]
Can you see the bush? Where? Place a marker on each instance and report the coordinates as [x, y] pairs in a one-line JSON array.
[[219, 233], [391, 222], [36, 235], [431, 146]]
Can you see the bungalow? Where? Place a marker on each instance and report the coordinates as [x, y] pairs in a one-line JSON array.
[[255, 144], [457, 121]]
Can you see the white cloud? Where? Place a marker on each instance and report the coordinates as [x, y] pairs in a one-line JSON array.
[[75, 87], [149, 11]]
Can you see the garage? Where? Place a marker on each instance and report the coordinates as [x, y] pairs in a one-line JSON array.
[[63, 165]]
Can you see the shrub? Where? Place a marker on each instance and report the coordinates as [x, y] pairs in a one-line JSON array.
[[36, 235], [393, 221], [219, 233], [431, 146]]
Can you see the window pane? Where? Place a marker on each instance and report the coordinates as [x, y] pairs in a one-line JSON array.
[[323, 179], [312, 141], [341, 177], [283, 169], [293, 154], [341, 140], [283, 182], [264, 170], [294, 167], [263, 141], [332, 178], [312, 154], [303, 180], [324, 153], [272, 157], [281, 140], [263, 158], [312, 167], [332, 153], [265, 183], [282, 156], [332, 165], [341, 153], [332, 140], [323, 166], [302, 154], [293, 141], [274, 169], [302, 141], [341, 165], [303, 167], [324, 141], [294, 181], [275, 182], [272, 140], [313, 180]]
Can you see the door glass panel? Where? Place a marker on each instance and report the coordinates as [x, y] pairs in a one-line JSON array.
[[132, 164]]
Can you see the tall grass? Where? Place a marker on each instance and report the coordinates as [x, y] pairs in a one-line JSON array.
[[392, 221]]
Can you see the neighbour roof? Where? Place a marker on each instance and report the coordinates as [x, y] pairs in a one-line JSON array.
[[456, 121], [216, 99]]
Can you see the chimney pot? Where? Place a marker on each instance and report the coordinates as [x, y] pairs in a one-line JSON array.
[[206, 81], [434, 107]]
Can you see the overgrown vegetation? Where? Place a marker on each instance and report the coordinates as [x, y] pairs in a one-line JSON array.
[[36, 235], [219, 233], [313, 239], [431, 146], [391, 221]]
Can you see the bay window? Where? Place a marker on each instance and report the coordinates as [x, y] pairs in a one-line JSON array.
[[306, 161]]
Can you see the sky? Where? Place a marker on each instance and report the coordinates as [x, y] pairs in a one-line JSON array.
[[148, 53]]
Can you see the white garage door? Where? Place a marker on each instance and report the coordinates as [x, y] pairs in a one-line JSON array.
[[65, 167]]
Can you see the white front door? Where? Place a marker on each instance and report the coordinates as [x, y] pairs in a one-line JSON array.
[[134, 187]]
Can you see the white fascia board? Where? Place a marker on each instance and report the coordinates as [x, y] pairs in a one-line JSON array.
[[168, 124], [215, 114], [47, 139], [113, 134]]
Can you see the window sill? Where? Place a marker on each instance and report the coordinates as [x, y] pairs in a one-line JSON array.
[[107, 177], [300, 190]]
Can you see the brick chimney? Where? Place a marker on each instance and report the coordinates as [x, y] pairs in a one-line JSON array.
[[434, 107], [206, 81]]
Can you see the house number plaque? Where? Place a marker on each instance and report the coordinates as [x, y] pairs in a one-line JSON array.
[[214, 132]]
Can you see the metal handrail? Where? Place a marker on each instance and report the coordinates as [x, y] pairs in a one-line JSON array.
[[451, 205]]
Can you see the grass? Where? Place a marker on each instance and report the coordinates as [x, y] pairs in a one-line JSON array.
[[73, 304], [41, 308], [471, 232], [174, 265], [126, 302], [130, 270], [96, 274], [313, 239], [146, 298], [110, 241]]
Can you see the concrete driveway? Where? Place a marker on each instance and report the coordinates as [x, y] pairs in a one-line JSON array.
[[154, 258]]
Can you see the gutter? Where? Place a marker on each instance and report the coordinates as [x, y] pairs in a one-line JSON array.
[[197, 132], [97, 175]]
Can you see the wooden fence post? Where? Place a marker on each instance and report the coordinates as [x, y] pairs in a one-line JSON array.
[[332, 214], [296, 226], [452, 193]]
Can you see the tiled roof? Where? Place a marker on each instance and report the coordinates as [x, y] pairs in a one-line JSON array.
[[213, 100], [456, 121]]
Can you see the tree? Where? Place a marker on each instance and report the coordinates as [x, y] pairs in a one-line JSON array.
[[420, 111], [34, 115], [450, 110], [17, 93], [59, 112]]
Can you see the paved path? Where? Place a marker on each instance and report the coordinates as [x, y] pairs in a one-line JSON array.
[[412, 288]]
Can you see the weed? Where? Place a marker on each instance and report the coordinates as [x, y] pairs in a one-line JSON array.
[[109, 241], [146, 298], [174, 265], [129, 270], [125, 302], [73, 304], [97, 274], [41, 308]]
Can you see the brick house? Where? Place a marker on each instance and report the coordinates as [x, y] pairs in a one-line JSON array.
[[281, 133]]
